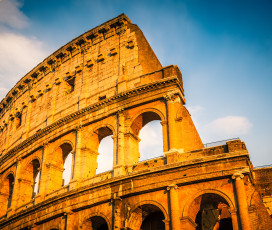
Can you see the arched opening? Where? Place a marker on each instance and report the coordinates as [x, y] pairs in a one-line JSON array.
[[36, 176], [29, 185], [147, 217], [151, 144], [95, 223], [211, 211], [105, 150], [60, 167], [6, 194], [67, 159], [154, 221], [148, 135]]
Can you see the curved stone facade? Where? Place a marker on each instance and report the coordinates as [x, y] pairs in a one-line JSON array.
[[109, 82]]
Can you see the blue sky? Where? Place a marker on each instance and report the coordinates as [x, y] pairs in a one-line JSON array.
[[223, 48]]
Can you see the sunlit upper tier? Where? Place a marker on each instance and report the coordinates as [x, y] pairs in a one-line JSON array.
[[94, 68]]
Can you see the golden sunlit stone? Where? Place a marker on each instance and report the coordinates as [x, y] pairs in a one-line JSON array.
[[109, 82]]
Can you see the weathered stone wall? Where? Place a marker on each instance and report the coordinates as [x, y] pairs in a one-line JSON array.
[[108, 82]]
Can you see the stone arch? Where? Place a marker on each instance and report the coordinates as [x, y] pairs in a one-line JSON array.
[[62, 142], [5, 174], [91, 139], [29, 180], [99, 219], [6, 192], [107, 125], [209, 206], [193, 197], [137, 123], [141, 210], [56, 164], [146, 111], [106, 148]]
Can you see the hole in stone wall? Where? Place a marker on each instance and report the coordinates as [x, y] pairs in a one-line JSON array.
[[70, 85]]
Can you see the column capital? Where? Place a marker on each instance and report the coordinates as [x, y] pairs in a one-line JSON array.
[[120, 111], [79, 127], [172, 186], [45, 144], [169, 97], [18, 160], [239, 174]]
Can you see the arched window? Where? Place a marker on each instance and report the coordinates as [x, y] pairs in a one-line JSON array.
[[29, 183], [151, 144], [105, 150], [10, 191], [211, 211], [36, 176], [67, 169], [96, 223], [148, 138], [67, 159], [60, 167], [147, 217], [6, 192]]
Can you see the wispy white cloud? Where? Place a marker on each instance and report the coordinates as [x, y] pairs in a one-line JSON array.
[[226, 127], [18, 53], [10, 14]]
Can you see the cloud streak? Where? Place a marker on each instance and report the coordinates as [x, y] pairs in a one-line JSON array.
[[18, 53], [11, 16]]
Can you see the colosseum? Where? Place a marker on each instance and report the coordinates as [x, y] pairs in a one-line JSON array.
[[109, 82]]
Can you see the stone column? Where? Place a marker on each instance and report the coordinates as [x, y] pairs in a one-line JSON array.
[[77, 157], [132, 148], [119, 162], [16, 187], [121, 140], [241, 200], [233, 214], [172, 132], [43, 174], [116, 211], [167, 224], [174, 206], [70, 220], [164, 136]]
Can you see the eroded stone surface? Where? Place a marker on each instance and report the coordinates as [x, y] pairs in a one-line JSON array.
[[108, 81]]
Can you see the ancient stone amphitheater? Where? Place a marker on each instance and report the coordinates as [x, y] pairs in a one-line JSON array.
[[109, 82]]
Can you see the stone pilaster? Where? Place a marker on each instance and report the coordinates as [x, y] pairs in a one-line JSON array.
[[43, 175], [77, 157], [241, 200], [233, 214], [116, 211], [174, 206], [172, 132]]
